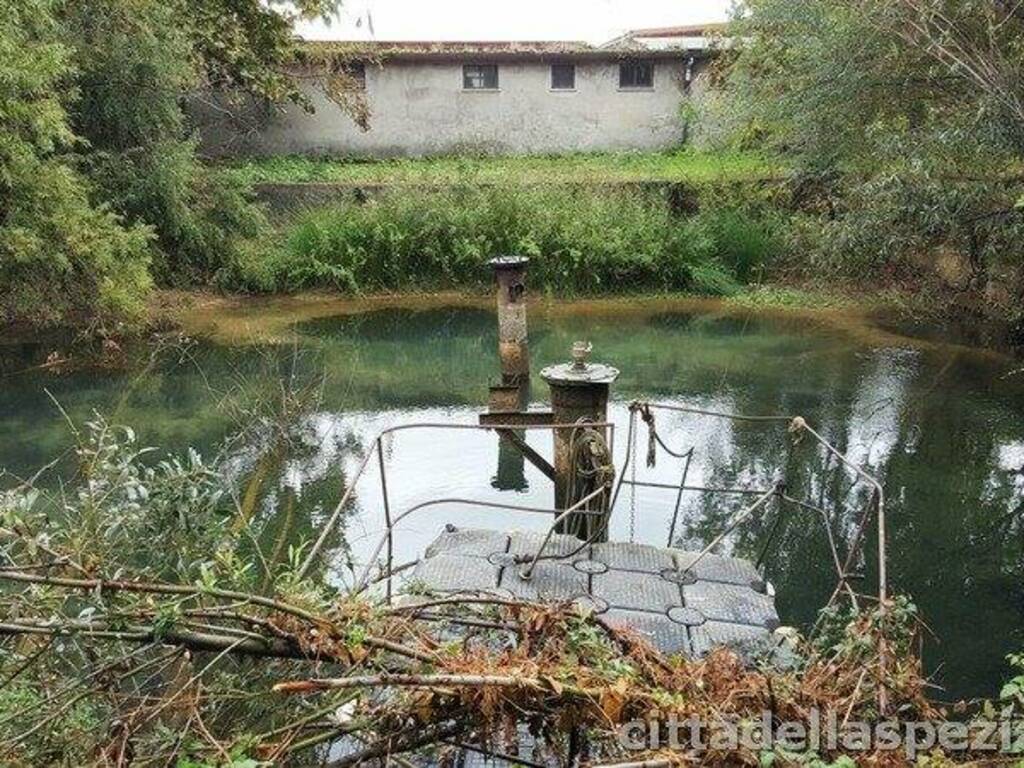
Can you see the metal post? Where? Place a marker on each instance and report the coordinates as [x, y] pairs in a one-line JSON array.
[[387, 516], [579, 395]]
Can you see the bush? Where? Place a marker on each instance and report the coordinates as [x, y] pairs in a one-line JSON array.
[[580, 240], [140, 155], [60, 255]]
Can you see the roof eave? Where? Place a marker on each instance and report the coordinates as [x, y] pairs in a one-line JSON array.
[[356, 52]]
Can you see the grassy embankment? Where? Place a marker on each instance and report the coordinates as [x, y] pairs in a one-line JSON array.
[[600, 168], [590, 223]]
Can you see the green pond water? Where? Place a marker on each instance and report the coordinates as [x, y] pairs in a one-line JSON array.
[[941, 425]]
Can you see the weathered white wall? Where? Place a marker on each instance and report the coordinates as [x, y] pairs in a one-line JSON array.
[[421, 109]]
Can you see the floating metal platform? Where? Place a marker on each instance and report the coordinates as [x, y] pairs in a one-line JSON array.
[[679, 605]]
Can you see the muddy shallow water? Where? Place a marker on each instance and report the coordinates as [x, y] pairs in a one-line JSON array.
[[942, 425]]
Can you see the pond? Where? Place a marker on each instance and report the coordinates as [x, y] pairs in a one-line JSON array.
[[940, 424]]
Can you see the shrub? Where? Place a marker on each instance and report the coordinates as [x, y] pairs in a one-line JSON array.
[[580, 240], [60, 255]]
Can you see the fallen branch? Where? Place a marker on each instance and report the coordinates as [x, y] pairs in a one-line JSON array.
[[277, 648], [193, 641], [387, 680], [397, 745]]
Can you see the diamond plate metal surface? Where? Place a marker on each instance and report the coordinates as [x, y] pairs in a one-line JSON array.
[[552, 581], [455, 573], [667, 636], [637, 591], [750, 641], [731, 603], [524, 543], [633, 557], [648, 589], [468, 542], [727, 570]]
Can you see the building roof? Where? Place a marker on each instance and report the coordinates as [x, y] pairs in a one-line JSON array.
[[693, 38], [692, 30], [491, 51]]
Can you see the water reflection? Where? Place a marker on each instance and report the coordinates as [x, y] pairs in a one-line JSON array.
[[940, 426]]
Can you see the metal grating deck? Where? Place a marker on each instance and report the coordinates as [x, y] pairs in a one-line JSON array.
[[722, 601]]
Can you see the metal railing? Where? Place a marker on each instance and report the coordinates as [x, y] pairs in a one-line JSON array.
[[875, 509], [387, 540]]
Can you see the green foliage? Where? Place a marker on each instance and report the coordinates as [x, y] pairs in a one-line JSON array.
[[165, 517], [129, 514], [835, 82], [1012, 692], [780, 297], [845, 631], [141, 156], [681, 166], [247, 43], [60, 255], [902, 119], [579, 240], [99, 176], [587, 644]]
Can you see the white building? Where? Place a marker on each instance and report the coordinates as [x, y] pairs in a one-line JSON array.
[[436, 98]]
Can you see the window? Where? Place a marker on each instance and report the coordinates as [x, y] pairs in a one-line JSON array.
[[563, 77], [356, 71], [636, 74], [480, 77]]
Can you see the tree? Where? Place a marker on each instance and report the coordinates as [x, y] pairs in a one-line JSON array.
[[99, 174], [60, 254], [900, 116], [978, 42]]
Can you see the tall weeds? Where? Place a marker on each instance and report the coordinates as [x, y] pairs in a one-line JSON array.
[[580, 240]]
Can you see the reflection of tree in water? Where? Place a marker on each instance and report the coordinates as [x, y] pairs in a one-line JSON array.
[[955, 528], [401, 358], [790, 540], [286, 456], [288, 489]]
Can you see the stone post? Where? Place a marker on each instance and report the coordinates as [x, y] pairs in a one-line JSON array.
[[513, 348]]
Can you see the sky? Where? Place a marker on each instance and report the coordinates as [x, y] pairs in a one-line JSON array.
[[594, 21]]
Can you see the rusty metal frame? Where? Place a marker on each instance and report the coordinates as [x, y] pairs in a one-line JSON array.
[[376, 447], [874, 509]]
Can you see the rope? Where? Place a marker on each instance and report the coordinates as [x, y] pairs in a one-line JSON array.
[[653, 438], [653, 441], [592, 469]]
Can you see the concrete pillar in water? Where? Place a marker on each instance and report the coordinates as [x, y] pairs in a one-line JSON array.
[[513, 348], [579, 390], [511, 474]]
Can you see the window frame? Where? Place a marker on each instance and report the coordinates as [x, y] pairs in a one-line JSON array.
[[563, 65], [635, 65], [481, 66], [357, 71]]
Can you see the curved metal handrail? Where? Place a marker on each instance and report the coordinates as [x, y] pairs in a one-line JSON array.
[[364, 579], [376, 446]]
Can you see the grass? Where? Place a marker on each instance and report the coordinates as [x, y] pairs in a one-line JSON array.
[[786, 297], [581, 242], [625, 167]]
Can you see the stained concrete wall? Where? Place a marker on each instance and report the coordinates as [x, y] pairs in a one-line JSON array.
[[421, 109]]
